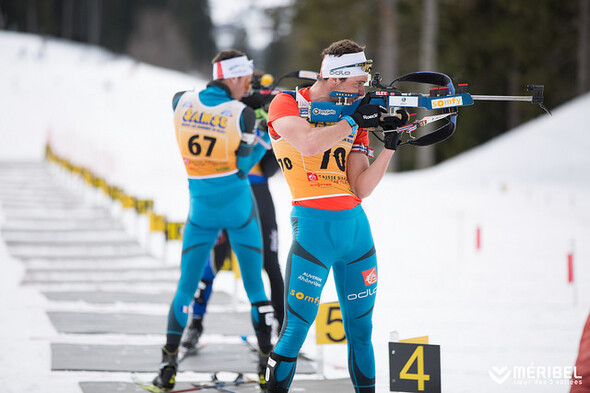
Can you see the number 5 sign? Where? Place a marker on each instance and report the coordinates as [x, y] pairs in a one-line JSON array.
[[414, 367], [328, 324]]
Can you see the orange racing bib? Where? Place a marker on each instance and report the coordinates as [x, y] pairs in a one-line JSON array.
[[319, 176], [313, 177]]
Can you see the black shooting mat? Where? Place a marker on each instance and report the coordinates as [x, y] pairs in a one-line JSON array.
[[65, 252], [213, 357], [120, 264], [134, 275], [73, 225], [298, 386], [15, 238], [70, 212], [47, 201], [106, 297], [227, 323]]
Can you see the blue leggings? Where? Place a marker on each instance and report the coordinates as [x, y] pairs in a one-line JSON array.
[[235, 211], [324, 240]]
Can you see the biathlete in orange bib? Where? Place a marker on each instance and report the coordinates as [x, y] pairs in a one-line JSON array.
[[328, 173]]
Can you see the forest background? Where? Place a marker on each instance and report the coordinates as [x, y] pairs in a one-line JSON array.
[[498, 47]]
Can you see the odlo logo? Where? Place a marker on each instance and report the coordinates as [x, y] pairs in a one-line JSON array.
[[370, 276], [339, 72], [362, 294]]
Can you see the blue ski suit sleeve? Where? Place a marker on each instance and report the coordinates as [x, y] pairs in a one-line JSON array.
[[249, 155]]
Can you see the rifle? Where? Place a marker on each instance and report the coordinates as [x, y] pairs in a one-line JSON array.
[[264, 89], [443, 97]]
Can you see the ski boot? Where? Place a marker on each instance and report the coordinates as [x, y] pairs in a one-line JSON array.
[[274, 383], [193, 334], [262, 317], [262, 359], [167, 374]]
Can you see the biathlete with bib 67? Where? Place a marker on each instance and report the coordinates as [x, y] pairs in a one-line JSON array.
[[216, 136], [258, 99], [258, 177], [328, 172]]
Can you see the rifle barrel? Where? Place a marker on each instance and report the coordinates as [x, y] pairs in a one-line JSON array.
[[502, 98]]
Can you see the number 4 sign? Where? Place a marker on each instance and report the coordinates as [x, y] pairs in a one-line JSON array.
[[414, 367]]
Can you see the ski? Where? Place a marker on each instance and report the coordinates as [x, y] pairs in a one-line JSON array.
[[250, 346], [222, 385], [215, 383], [150, 387]]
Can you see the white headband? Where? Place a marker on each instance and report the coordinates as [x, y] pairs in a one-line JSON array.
[[233, 68], [345, 66]]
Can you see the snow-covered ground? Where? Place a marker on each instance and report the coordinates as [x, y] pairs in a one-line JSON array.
[[503, 306]]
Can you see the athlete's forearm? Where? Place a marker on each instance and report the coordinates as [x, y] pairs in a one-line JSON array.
[[248, 156], [363, 178], [309, 140]]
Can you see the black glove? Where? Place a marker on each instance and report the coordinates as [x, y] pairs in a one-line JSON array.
[[392, 139], [262, 126], [405, 117], [393, 122], [257, 100], [367, 115]]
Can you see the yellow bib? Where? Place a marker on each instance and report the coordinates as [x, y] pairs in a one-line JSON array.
[[208, 136], [256, 170], [319, 176]]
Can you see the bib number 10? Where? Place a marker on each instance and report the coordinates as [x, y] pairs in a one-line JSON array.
[[339, 155], [329, 158]]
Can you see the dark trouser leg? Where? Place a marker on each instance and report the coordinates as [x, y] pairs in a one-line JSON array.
[[266, 211]]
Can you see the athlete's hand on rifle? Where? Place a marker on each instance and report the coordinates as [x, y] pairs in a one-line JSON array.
[[367, 115], [393, 122], [262, 125], [257, 100], [392, 138]]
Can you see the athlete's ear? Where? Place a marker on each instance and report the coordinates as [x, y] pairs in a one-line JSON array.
[[246, 82], [333, 82]]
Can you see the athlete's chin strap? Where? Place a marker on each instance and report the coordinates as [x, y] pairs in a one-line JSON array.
[[445, 131]]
